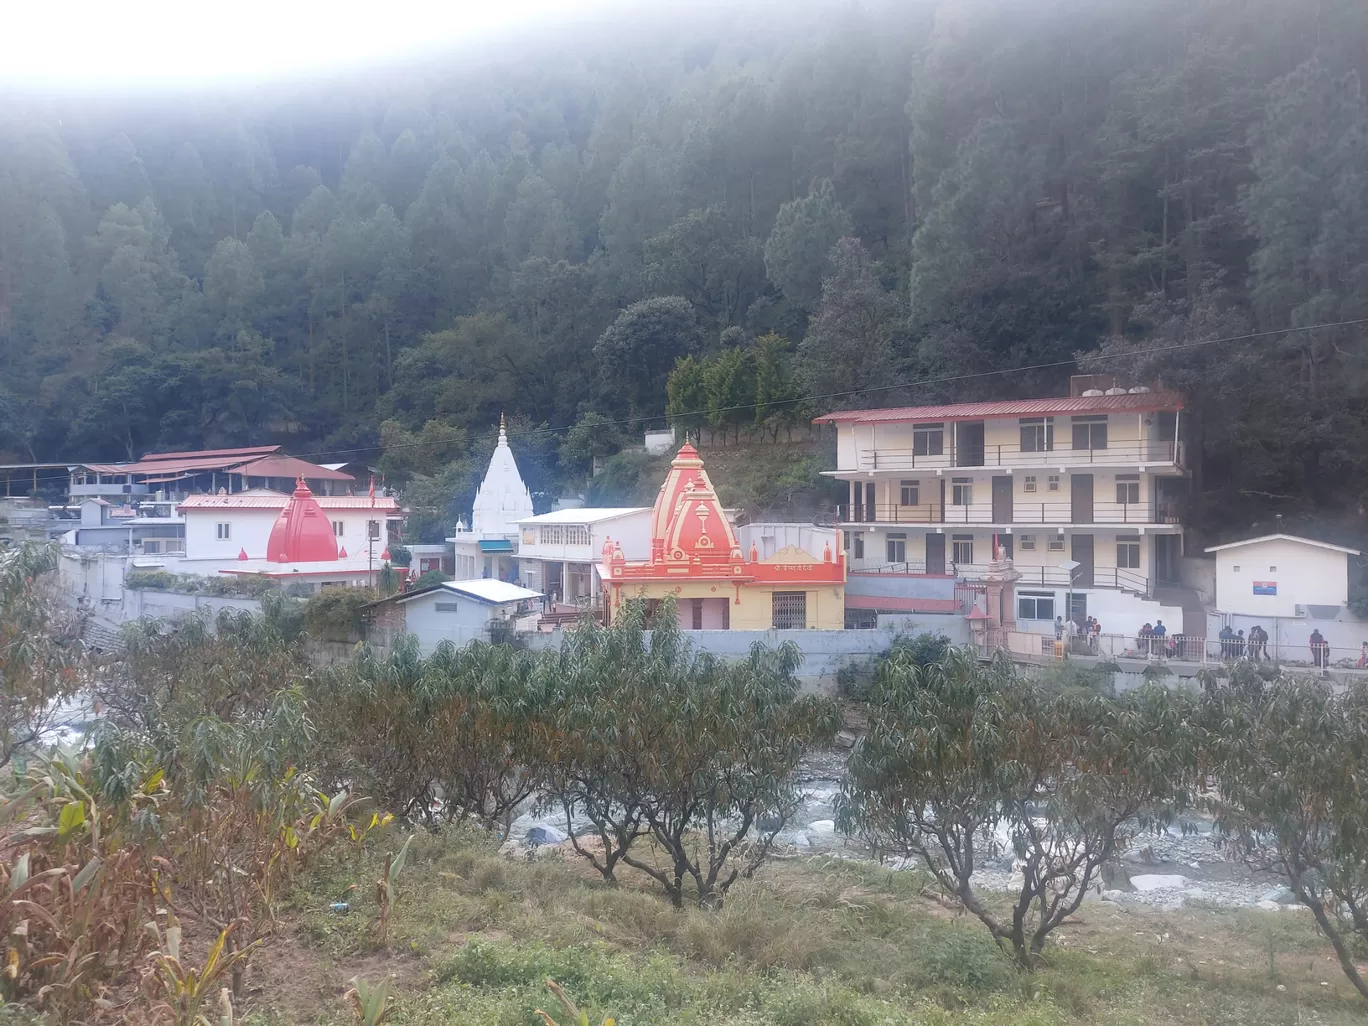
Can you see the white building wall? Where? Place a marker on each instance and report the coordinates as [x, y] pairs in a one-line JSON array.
[[1130, 436], [250, 529], [1300, 574], [468, 622]]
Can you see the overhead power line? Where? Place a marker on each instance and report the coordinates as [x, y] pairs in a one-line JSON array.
[[942, 380]]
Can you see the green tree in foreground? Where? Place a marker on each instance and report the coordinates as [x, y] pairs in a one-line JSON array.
[[651, 738], [964, 763], [40, 656], [1288, 757]]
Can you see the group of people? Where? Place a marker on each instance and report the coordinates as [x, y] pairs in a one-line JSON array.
[[1088, 632], [1234, 644], [1153, 639]]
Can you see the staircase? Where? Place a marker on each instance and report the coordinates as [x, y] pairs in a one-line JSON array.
[[1194, 613]]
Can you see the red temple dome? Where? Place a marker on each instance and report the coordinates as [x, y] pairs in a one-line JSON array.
[[302, 533]]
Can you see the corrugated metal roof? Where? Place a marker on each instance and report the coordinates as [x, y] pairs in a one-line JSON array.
[[1131, 402], [291, 466], [584, 515], [1287, 538], [383, 503], [241, 454], [491, 591]]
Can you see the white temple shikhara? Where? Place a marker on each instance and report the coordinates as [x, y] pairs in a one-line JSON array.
[[489, 548]]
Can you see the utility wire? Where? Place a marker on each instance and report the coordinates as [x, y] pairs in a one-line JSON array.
[[945, 379]]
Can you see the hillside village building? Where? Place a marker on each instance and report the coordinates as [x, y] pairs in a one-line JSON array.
[[1081, 492], [176, 475], [489, 548], [697, 559]]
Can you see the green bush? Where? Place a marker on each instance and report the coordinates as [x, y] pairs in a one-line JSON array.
[[400, 555], [336, 614], [223, 585], [430, 578]]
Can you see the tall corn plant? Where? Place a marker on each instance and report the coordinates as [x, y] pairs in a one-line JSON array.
[[1288, 756], [965, 762]]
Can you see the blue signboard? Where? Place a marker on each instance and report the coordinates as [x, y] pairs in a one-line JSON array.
[[1265, 587]]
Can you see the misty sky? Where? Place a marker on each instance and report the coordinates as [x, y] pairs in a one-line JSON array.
[[91, 43]]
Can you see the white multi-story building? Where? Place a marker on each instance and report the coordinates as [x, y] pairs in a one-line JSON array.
[[560, 552], [1083, 492]]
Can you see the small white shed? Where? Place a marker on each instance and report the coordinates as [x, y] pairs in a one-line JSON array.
[[1280, 575], [455, 611]]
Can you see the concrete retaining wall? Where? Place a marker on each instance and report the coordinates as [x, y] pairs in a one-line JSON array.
[[825, 653]]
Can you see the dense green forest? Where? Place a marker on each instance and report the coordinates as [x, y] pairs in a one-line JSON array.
[[855, 204]]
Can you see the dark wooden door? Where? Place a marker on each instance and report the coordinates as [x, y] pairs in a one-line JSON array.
[[1081, 493], [1083, 556], [1002, 500], [969, 443], [935, 553]]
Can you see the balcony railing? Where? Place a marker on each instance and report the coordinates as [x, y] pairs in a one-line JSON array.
[[1120, 513], [1013, 455], [1110, 577]]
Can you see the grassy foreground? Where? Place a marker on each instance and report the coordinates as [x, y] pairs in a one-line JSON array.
[[811, 941]]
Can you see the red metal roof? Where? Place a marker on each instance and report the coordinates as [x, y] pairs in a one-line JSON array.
[[383, 503], [901, 605], [292, 467], [235, 455], [1131, 402]]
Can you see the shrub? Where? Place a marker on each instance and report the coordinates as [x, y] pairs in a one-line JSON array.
[[337, 614], [400, 555], [445, 739], [430, 579], [656, 739], [224, 585], [958, 753], [1288, 756]]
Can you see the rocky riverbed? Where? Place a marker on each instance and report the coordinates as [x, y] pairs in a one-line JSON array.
[[1184, 864]]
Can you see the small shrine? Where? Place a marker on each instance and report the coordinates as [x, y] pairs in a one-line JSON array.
[[696, 560]]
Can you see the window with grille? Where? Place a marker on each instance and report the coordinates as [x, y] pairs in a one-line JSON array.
[[1128, 489], [225, 531], [372, 529], [790, 610], [962, 491], [928, 439], [1028, 543], [909, 492], [1053, 482], [1030, 484], [1056, 543], [577, 534], [338, 527], [963, 548], [552, 535], [1090, 432], [697, 614], [897, 548], [1128, 553], [1037, 434], [1035, 605]]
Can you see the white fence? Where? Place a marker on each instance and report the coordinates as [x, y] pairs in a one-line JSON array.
[[1178, 648]]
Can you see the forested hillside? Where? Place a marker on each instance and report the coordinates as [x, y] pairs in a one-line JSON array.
[[860, 204]]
